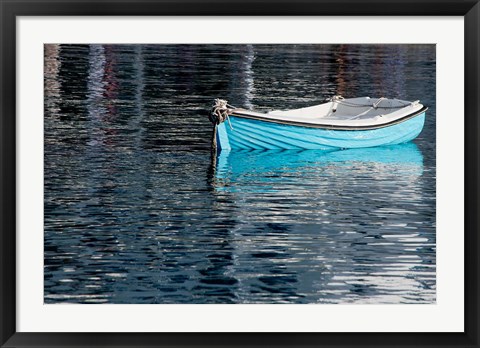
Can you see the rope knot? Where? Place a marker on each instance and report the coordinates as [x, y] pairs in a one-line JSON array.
[[336, 98], [220, 111]]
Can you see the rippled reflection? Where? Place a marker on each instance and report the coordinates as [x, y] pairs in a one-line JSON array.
[[404, 159], [136, 211], [327, 216]]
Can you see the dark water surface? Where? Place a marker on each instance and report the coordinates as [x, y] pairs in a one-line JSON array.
[[136, 213]]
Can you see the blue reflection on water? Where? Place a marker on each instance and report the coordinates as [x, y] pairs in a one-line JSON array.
[[239, 162], [236, 167]]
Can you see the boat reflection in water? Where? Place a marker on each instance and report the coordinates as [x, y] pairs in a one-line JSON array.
[[347, 226], [303, 168]]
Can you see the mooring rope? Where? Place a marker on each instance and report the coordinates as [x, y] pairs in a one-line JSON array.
[[220, 112]]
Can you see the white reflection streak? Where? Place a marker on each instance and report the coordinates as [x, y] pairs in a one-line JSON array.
[[249, 78], [52, 83], [95, 87], [96, 71], [52, 68]]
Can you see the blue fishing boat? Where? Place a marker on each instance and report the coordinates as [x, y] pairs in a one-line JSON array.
[[337, 124]]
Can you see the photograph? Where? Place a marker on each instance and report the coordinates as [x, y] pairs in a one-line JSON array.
[[239, 174]]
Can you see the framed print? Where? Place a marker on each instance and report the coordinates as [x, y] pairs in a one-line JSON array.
[[239, 174]]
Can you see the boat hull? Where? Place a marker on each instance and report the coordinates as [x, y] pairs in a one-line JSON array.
[[250, 134]]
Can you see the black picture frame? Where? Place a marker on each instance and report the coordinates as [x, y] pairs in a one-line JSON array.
[[9, 337]]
